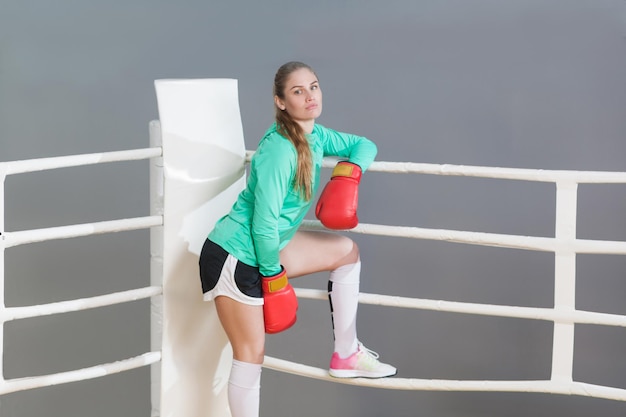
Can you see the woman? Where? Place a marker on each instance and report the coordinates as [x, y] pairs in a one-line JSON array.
[[259, 240]]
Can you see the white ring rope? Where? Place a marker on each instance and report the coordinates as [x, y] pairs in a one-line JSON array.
[[544, 244], [87, 229], [411, 384], [42, 164], [21, 384], [535, 175], [15, 313], [531, 313]]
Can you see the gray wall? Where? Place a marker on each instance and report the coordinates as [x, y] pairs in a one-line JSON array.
[[519, 83]]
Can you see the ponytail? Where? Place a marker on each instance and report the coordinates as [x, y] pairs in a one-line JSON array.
[[290, 129]]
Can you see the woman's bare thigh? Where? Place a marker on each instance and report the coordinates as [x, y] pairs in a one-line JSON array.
[[311, 251], [244, 327]]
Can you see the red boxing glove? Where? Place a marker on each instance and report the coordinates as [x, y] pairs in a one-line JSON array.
[[337, 205], [280, 302]]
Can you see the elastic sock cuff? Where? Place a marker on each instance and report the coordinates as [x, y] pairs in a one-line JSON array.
[[245, 375], [347, 274]]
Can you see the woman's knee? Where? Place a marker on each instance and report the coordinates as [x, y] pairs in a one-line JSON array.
[[348, 250], [249, 352]]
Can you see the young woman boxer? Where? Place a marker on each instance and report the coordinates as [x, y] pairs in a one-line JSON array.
[[249, 254]]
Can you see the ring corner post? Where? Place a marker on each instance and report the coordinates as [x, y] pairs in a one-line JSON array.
[[203, 171], [564, 281], [156, 266]]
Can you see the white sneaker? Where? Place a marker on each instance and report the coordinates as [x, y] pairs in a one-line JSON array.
[[363, 363]]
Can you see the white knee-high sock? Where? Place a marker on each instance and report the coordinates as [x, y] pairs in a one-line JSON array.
[[343, 294], [244, 389]]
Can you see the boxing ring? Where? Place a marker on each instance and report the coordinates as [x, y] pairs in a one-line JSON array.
[[198, 161]]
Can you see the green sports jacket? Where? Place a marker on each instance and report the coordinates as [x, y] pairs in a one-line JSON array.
[[269, 210]]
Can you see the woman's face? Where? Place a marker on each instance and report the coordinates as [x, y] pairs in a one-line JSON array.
[[303, 96]]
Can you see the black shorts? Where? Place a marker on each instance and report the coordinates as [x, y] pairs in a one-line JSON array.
[[222, 274]]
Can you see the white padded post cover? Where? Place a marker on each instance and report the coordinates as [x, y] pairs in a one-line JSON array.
[[204, 170]]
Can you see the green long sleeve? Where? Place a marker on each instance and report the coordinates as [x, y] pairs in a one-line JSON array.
[[269, 210]]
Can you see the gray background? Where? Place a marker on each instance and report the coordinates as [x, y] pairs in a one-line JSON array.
[[518, 83]]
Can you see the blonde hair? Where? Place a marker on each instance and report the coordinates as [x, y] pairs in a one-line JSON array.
[[290, 129]]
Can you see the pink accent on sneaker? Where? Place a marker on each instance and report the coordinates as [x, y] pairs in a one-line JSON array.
[[363, 363]]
